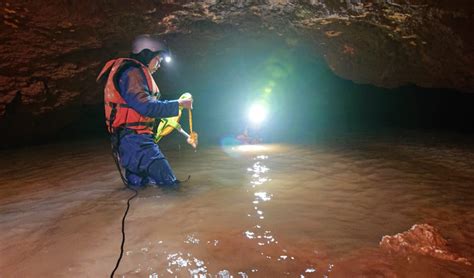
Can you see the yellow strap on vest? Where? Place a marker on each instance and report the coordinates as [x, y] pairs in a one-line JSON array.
[[190, 120], [167, 125]]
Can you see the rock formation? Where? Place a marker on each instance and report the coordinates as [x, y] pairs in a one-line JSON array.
[[421, 239]]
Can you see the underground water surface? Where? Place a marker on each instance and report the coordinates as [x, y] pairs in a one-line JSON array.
[[315, 210]]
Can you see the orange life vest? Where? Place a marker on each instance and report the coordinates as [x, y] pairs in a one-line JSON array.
[[117, 112]]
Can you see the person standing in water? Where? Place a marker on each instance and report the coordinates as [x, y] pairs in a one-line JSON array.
[[132, 105]]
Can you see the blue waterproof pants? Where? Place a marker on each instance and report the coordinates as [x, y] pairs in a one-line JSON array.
[[143, 161]]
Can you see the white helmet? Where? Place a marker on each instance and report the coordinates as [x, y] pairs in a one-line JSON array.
[[143, 42]]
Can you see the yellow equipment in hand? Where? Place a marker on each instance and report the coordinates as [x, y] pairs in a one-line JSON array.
[[167, 125]]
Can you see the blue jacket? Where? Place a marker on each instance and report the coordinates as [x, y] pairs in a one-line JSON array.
[[134, 90]]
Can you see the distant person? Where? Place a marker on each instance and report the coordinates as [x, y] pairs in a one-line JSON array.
[[132, 105], [247, 138]]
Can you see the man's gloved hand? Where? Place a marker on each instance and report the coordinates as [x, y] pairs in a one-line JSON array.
[[186, 103], [193, 139]]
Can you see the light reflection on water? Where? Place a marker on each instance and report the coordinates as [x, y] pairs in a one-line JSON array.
[[259, 211]]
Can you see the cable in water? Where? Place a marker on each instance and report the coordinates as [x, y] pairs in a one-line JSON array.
[[123, 230]]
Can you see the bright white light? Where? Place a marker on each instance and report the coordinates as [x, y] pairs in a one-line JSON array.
[[257, 113], [167, 59]]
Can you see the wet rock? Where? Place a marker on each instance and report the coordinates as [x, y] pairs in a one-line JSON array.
[[421, 239]]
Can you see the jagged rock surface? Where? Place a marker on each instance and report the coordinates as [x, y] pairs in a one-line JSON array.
[[421, 239]]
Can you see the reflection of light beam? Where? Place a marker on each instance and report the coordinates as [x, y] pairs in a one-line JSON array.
[[260, 151], [168, 59], [250, 148], [263, 196]]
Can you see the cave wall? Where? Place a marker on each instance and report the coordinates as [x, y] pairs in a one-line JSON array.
[[51, 51]]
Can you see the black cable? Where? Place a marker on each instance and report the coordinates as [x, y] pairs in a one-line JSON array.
[[125, 182], [187, 179], [123, 230], [116, 160]]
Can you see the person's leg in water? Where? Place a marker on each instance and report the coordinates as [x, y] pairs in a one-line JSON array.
[[134, 179], [156, 167], [161, 173], [144, 161]]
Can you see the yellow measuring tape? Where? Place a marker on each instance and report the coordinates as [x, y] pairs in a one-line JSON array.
[[193, 136], [167, 125]]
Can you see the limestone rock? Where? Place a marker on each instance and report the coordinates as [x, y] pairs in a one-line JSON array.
[[421, 239]]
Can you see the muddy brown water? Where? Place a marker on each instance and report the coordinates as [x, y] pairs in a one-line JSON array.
[[249, 211]]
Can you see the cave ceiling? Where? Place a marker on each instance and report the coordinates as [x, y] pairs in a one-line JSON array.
[[51, 51]]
